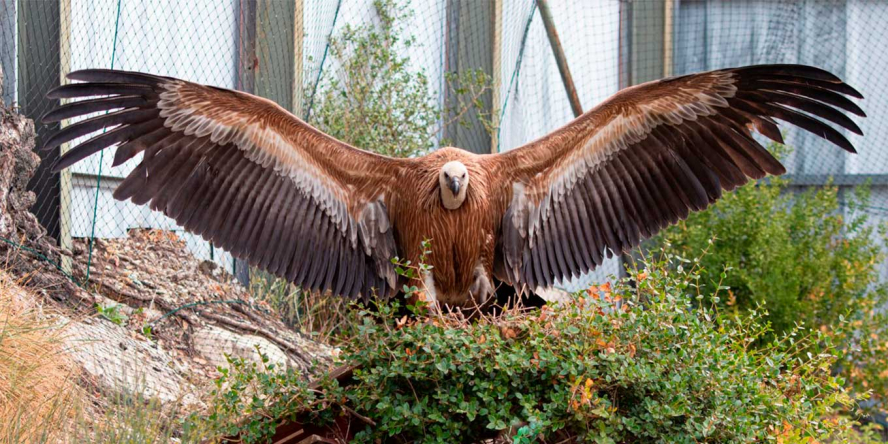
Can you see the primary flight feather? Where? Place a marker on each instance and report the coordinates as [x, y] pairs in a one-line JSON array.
[[250, 177]]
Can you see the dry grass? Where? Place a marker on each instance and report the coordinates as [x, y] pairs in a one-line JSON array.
[[39, 398], [128, 420], [326, 319]]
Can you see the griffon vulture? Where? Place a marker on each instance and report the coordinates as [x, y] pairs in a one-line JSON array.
[[252, 178]]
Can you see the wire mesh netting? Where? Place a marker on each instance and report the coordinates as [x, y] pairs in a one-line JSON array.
[[483, 75], [296, 52]]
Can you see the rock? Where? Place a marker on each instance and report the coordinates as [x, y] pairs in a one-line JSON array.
[[18, 161], [119, 364], [214, 344], [17, 165]]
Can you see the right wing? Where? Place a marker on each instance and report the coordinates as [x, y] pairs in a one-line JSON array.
[[243, 173], [648, 156]]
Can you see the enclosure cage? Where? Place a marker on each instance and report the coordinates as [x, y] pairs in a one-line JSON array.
[[541, 63]]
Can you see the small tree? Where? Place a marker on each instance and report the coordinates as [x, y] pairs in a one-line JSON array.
[[377, 100]]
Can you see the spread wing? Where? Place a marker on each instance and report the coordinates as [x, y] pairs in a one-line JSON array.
[[243, 173], [646, 157]]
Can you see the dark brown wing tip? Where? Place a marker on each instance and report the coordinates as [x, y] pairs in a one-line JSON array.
[[59, 166], [862, 113], [48, 117], [850, 91], [113, 76], [804, 71], [825, 87], [56, 93]]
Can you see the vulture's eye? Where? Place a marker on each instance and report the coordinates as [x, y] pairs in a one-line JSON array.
[[464, 175], [446, 176]]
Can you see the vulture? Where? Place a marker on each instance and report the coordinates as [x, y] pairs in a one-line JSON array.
[[251, 178]]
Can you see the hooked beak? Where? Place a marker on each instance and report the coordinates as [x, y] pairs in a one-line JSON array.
[[454, 185]]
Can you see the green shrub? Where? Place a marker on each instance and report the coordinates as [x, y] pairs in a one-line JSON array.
[[868, 434], [802, 258], [614, 365]]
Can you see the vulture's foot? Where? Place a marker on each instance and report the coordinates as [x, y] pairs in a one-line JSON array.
[[482, 288]]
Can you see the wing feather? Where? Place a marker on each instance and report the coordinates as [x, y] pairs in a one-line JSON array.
[[559, 244], [588, 195], [270, 234], [584, 233], [187, 199], [628, 214], [572, 228], [262, 206], [553, 248], [283, 251], [632, 190], [605, 211]]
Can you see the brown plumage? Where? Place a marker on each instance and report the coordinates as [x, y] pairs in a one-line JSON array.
[[245, 174]]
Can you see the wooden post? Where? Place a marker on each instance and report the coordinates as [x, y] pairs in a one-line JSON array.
[[65, 240], [269, 61], [269, 50], [38, 71], [624, 63], [668, 32], [647, 46], [245, 60], [646, 53], [496, 68], [560, 59], [275, 51], [246, 63], [298, 36], [468, 41]]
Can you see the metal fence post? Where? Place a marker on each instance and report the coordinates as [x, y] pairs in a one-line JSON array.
[[39, 70]]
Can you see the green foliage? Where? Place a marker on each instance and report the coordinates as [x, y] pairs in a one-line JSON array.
[[111, 313], [255, 391], [377, 100], [868, 434], [802, 258], [147, 331], [628, 364], [412, 271], [794, 253]]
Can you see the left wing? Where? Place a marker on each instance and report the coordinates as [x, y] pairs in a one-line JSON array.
[[242, 172], [646, 157]]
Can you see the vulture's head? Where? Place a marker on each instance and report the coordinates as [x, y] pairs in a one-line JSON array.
[[453, 179]]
